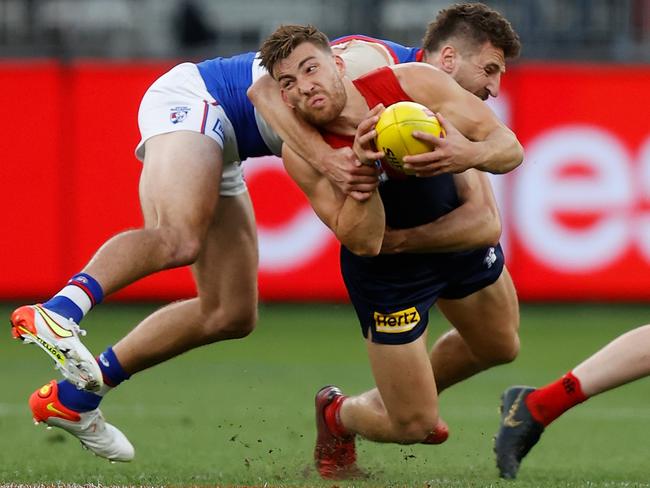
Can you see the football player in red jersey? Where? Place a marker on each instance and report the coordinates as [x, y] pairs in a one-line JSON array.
[[469, 41], [392, 293]]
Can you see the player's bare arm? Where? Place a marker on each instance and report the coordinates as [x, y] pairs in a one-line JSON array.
[[474, 224], [339, 165], [475, 138], [358, 225]]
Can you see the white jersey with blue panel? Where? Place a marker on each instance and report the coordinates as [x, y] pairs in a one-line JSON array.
[[227, 80]]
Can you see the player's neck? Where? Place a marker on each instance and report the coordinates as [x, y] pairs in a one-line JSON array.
[[355, 110]]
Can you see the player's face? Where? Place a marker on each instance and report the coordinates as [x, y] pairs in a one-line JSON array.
[[479, 70], [310, 81]]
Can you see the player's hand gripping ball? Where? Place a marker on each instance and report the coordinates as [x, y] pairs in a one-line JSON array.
[[395, 128]]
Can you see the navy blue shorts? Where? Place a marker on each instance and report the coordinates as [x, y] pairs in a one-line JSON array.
[[392, 294]]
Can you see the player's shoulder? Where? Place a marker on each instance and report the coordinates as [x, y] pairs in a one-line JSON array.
[[422, 81], [418, 69], [355, 44], [418, 73], [355, 39], [397, 52]]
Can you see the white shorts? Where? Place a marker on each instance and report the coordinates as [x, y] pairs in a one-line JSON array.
[[179, 100]]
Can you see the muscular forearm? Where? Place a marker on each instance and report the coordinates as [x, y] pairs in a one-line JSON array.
[[466, 227], [360, 225], [301, 137], [474, 223], [500, 152]]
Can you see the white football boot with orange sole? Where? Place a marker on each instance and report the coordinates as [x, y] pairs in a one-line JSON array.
[[99, 437], [59, 338]]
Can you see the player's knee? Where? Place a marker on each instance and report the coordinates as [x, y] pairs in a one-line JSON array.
[[414, 428], [510, 350], [181, 247], [505, 351], [230, 324]]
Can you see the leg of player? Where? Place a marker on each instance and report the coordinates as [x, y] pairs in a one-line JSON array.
[[408, 410], [484, 335], [404, 411], [178, 193], [527, 411], [226, 307], [625, 359]]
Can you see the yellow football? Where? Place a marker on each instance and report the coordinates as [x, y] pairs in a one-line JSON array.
[[395, 132]]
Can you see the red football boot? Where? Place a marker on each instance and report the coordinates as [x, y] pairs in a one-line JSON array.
[[335, 456], [439, 435]]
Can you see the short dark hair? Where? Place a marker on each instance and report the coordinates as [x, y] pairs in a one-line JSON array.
[[475, 22], [285, 39]]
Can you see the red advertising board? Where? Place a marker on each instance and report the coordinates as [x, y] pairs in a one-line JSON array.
[[579, 221], [576, 214], [32, 177]]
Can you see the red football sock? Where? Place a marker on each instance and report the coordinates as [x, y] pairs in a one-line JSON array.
[[333, 417], [548, 403]]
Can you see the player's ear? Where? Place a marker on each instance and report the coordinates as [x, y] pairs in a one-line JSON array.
[[448, 58], [340, 64], [285, 98]]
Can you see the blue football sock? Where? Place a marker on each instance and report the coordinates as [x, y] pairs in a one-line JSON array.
[[77, 298], [112, 370], [77, 400]]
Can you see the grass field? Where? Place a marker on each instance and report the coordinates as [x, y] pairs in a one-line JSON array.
[[241, 413]]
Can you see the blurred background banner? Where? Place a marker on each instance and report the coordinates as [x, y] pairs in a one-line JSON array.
[[576, 213]]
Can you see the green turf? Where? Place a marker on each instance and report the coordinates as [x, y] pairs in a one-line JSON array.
[[241, 413]]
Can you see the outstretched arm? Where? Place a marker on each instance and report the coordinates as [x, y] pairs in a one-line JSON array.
[[340, 166], [475, 138], [475, 223], [358, 225]]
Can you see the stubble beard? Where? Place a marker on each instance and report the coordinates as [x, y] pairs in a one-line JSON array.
[[337, 98]]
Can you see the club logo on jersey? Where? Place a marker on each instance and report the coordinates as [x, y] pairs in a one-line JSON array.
[[396, 322], [490, 258], [179, 114]]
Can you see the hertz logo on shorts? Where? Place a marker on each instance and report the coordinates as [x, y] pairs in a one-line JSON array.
[[397, 322]]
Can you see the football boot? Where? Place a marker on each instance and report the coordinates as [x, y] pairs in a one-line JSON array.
[[94, 433], [59, 338]]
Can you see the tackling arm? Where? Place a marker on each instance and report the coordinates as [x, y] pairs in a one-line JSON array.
[[359, 226], [475, 223], [475, 137], [339, 165]]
